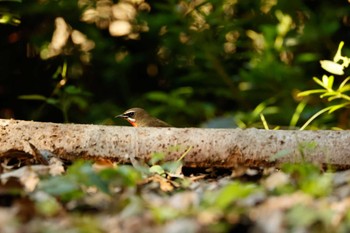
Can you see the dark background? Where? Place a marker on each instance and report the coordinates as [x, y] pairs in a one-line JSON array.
[[186, 62]]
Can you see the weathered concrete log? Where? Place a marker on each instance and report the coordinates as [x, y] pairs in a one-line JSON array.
[[225, 148]]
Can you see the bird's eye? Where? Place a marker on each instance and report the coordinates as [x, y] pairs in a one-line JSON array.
[[130, 114]]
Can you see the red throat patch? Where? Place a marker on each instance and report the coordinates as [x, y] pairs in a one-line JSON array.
[[133, 123]]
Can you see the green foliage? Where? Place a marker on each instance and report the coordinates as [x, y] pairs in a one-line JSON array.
[[308, 178], [299, 197], [64, 187], [231, 193], [162, 167], [179, 100], [71, 185], [245, 120], [47, 205], [63, 99], [302, 217], [346, 226], [125, 176], [328, 91], [157, 158], [7, 16], [162, 214], [186, 62], [170, 167]]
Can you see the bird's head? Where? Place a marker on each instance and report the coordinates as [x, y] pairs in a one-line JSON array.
[[138, 117], [133, 115]]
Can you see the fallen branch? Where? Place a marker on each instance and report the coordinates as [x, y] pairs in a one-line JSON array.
[[224, 148]]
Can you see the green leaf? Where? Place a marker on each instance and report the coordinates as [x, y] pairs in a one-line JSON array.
[[301, 170], [62, 186], [83, 172], [52, 101], [307, 57], [318, 185], [297, 113], [182, 91], [9, 18], [319, 82], [344, 88], [344, 82], [157, 96], [327, 94], [300, 215], [163, 212], [156, 157], [172, 166], [73, 90], [330, 82], [339, 96], [157, 169], [233, 192], [338, 106], [314, 117], [32, 97], [308, 178], [310, 92], [177, 103], [48, 206], [79, 100], [280, 154], [124, 175]]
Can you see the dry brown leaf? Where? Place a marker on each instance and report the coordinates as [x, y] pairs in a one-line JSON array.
[[56, 166], [38, 156], [341, 209], [27, 175], [102, 163], [279, 203], [276, 179], [164, 184]]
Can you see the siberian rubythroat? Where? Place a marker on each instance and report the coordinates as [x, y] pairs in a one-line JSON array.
[[138, 117]]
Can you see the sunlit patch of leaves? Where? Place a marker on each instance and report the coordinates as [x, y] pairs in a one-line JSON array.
[[337, 96]]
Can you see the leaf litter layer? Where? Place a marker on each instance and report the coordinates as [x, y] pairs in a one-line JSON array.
[[166, 197]]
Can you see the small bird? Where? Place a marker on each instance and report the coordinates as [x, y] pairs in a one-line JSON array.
[[138, 117]]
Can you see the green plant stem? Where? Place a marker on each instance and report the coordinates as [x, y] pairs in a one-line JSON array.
[[296, 115], [315, 116], [184, 154], [266, 126]]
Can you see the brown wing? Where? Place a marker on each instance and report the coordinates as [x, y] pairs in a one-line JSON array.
[[152, 122], [160, 123]]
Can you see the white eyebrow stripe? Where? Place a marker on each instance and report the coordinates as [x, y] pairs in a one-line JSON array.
[[131, 119]]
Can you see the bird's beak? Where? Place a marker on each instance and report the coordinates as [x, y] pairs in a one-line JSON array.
[[121, 116]]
